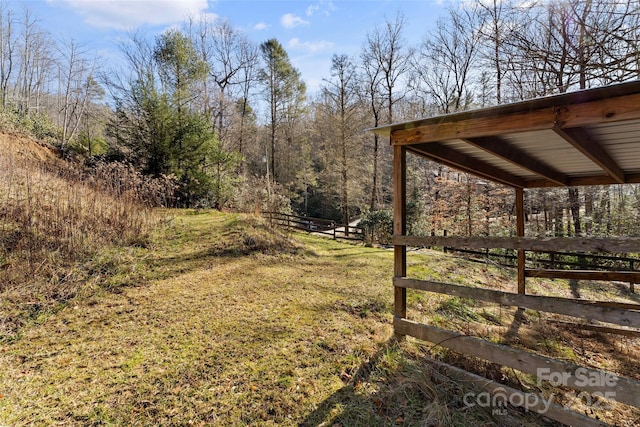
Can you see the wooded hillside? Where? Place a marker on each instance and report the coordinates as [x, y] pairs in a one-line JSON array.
[[227, 122]]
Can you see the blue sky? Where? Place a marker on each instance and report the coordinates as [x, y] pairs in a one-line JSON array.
[[310, 30]]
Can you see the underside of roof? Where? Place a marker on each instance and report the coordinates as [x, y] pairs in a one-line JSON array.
[[588, 137]]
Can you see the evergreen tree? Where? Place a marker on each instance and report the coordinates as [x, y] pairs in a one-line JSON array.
[[284, 93], [161, 133]]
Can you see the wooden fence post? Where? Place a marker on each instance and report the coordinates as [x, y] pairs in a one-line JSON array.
[[400, 229], [444, 234], [520, 233]]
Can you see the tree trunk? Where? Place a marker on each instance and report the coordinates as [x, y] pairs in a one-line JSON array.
[[468, 208], [574, 206], [558, 212], [588, 211], [374, 190]]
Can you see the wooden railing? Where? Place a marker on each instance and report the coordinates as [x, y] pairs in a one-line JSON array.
[[321, 226], [538, 244], [554, 260], [587, 270], [625, 317]]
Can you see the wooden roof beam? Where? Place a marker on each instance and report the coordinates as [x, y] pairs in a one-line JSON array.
[[502, 148], [592, 149], [474, 127], [458, 160], [584, 180], [542, 114]]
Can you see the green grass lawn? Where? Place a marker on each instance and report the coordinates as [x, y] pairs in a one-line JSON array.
[[222, 321]]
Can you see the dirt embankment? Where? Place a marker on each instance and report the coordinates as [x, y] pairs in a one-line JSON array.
[[26, 149]]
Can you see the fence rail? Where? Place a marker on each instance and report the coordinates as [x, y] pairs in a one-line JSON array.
[[556, 259], [623, 317], [313, 225], [542, 262]]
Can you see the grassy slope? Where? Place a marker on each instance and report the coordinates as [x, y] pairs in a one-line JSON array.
[[216, 336], [232, 324], [54, 215]]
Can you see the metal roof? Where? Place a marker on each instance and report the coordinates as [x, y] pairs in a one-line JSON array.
[[587, 137]]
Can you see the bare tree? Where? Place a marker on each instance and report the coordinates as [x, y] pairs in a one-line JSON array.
[[576, 44], [371, 76], [78, 87], [443, 68], [7, 49], [35, 62], [227, 63], [386, 59], [247, 78], [232, 60], [386, 48], [341, 104], [500, 20]]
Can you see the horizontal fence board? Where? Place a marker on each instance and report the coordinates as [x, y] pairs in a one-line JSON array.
[[570, 307], [315, 225], [589, 265], [548, 409], [540, 244], [598, 328], [278, 215], [589, 259], [626, 390], [622, 276], [594, 256]]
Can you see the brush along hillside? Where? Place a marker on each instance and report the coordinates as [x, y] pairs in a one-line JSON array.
[[230, 322], [55, 217]]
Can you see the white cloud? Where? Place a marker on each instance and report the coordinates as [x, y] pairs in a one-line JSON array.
[[261, 26], [289, 20], [312, 9], [312, 47], [121, 14], [326, 6], [209, 17]]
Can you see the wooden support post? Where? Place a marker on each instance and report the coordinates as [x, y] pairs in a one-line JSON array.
[[632, 287], [400, 228], [520, 233], [444, 234]]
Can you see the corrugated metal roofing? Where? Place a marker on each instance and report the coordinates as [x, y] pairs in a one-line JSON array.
[[579, 138]]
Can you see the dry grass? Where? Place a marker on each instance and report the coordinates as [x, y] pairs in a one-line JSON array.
[[236, 325], [217, 319], [53, 219], [530, 330]]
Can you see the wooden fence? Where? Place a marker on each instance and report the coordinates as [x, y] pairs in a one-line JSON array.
[[626, 315], [321, 226], [594, 261], [563, 264]]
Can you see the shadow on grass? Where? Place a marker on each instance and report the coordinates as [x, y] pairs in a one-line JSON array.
[[231, 246], [361, 401], [625, 289], [518, 319], [621, 289], [395, 388], [575, 289]]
